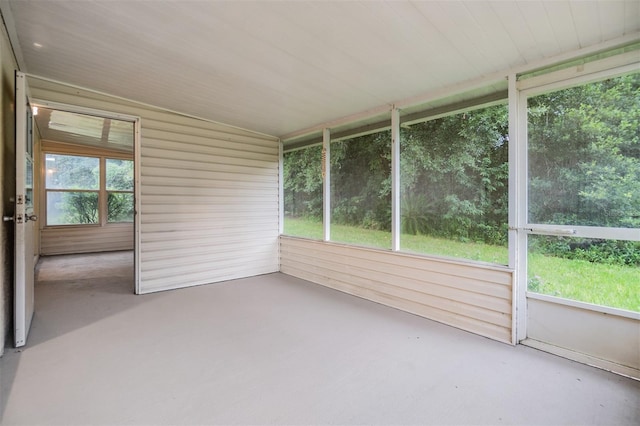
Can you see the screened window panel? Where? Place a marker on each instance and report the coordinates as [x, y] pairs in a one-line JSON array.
[[454, 185], [584, 155], [361, 190], [303, 193]]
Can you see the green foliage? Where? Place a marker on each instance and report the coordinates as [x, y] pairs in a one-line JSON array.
[[80, 207], [72, 172], [119, 175], [454, 175], [612, 252], [414, 218], [361, 181], [303, 182], [584, 154], [584, 169], [119, 207]]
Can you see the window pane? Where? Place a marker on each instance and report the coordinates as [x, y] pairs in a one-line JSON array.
[[120, 207], [361, 190], [28, 184], [602, 272], [72, 172], [72, 208], [119, 175], [303, 193], [454, 178], [584, 155]]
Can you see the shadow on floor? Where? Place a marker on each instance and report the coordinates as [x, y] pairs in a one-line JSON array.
[[89, 287]]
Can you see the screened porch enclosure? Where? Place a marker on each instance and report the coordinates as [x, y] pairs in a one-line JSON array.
[[472, 164], [534, 189], [418, 208]]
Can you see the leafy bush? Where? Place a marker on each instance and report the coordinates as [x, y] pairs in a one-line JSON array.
[[612, 252]]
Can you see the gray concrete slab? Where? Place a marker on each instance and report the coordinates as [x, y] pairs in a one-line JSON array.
[[276, 350]]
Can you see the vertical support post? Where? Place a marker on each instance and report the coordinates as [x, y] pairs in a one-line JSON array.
[[518, 206], [326, 184], [137, 191], [280, 187], [103, 209], [395, 179]]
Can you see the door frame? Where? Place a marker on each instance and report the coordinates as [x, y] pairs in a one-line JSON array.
[[592, 334], [136, 166]]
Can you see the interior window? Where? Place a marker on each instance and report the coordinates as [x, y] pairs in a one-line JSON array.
[[72, 187], [76, 189]]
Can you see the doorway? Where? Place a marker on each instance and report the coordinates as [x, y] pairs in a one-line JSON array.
[[87, 200]]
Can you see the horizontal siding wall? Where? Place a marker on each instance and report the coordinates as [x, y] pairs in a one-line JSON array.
[[86, 239], [209, 194], [474, 298]]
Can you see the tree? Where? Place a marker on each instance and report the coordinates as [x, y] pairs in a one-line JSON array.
[[584, 154]]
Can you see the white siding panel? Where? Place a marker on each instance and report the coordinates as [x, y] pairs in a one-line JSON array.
[[86, 239], [475, 298], [209, 194], [611, 341]]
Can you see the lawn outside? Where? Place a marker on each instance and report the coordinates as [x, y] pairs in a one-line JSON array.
[[602, 284]]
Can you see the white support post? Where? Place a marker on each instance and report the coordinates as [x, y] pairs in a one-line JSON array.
[[137, 191], [280, 187], [395, 179], [326, 184], [518, 206]]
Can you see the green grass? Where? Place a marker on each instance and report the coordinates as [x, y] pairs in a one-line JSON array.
[[310, 228], [609, 285]]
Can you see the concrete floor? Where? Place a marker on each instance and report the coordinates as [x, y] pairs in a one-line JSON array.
[[275, 350]]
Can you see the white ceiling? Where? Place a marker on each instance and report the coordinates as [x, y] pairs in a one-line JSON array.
[[278, 67]]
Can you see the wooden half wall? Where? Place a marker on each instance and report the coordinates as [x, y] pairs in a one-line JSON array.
[[476, 298]]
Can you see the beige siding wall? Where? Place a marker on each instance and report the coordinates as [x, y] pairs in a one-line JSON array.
[[86, 239], [475, 298], [209, 194]]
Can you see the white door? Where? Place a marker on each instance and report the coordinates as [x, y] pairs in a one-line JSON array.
[[24, 218], [582, 230]]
